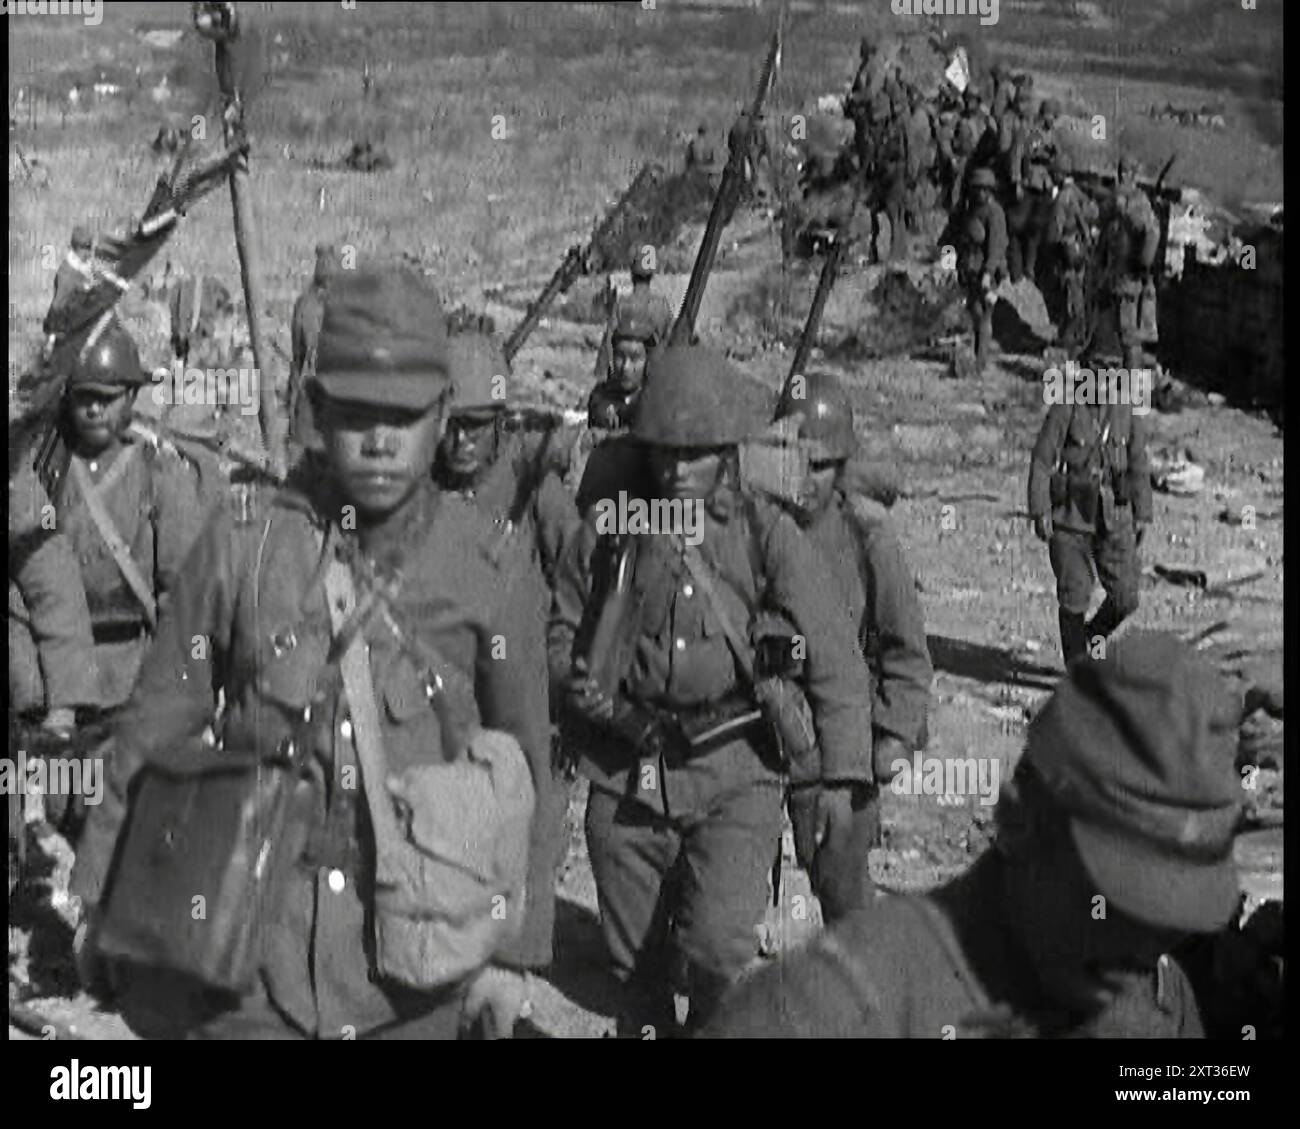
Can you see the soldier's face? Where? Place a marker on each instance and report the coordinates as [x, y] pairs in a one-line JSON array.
[[467, 444], [379, 455], [98, 418], [627, 365], [818, 487], [688, 473]]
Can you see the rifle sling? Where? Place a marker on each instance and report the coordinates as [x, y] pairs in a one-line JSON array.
[[118, 548]]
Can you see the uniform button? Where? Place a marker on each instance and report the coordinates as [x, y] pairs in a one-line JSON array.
[[337, 881], [680, 644], [346, 729], [688, 590]]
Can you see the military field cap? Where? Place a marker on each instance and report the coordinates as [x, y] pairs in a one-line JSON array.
[[383, 340], [1138, 748], [478, 369], [1050, 106], [695, 397], [983, 178], [81, 238]]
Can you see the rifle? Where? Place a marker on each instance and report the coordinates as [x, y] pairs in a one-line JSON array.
[[824, 283], [90, 309], [580, 259], [607, 650], [739, 143]]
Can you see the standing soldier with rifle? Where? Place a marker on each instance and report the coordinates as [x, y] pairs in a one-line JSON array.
[[362, 638], [859, 544], [1071, 237], [652, 638], [642, 318]]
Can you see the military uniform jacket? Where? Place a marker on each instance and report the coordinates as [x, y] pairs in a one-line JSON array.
[[1072, 219], [1130, 232], [680, 656], [152, 496], [51, 655], [1031, 157], [877, 589], [939, 967], [1069, 434], [986, 255], [250, 618]]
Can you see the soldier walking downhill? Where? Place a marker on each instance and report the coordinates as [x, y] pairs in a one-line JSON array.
[[680, 833], [442, 625], [1090, 500], [858, 541], [1113, 844], [981, 234], [513, 477]]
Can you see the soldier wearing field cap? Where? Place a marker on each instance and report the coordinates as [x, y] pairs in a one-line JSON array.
[[1113, 843], [651, 633], [256, 589]]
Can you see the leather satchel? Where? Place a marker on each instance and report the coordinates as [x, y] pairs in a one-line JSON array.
[[201, 867]]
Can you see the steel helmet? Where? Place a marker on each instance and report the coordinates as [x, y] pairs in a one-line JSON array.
[[827, 425], [479, 374], [695, 397], [109, 364]]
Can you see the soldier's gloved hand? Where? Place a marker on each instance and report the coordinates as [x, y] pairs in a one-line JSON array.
[[496, 1000], [886, 748], [833, 814], [1043, 527]]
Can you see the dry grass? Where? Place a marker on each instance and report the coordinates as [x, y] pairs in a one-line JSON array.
[[585, 93]]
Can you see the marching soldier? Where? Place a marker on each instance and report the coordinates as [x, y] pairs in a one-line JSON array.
[[643, 309], [1130, 237], [1032, 157], [1113, 844], [76, 271], [256, 590], [509, 478], [858, 541], [613, 402], [1071, 236], [981, 235], [130, 509], [1090, 501], [684, 809]]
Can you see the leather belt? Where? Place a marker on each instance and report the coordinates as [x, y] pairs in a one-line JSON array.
[[117, 632]]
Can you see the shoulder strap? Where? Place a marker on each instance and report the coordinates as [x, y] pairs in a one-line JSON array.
[[118, 548], [704, 578], [360, 690]]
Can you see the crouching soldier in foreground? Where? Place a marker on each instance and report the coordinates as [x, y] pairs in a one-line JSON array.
[[1114, 842], [651, 634], [858, 542], [359, 634]]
